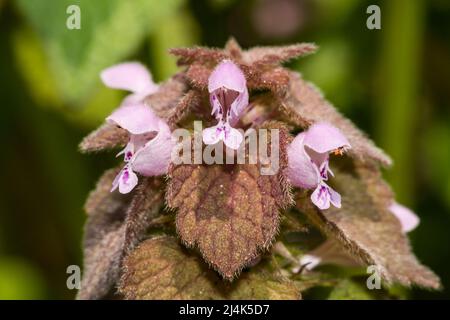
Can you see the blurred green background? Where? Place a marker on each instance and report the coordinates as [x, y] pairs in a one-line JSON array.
[[394, 83]]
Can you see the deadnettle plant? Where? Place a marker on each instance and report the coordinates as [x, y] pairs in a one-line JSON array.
[[161, 229]]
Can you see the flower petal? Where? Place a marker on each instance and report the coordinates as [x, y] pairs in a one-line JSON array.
[[335, 197], [136, 119], [309, 262], [324, 138], [324, 195], [127, 152], [227, 75], [320, 197], [238, 107], [328, 252], [408, 219], [136, 98], [233, 137], [301, 171], [131, 76], [126, 180], [214, 134], [154, 158]]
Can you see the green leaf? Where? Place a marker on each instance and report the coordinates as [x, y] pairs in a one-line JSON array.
[[160, 268], [111, 30]]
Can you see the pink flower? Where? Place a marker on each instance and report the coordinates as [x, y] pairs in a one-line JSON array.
[[308, 156], [408, 219], [131, 76], [149, 148], [228, 97], [328, 252]]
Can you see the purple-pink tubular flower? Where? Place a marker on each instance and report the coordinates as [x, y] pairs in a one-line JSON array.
[[130, 76], [150, 145], [408, 219], [149, 148], [330, 252], [308, 156], [228, 97]]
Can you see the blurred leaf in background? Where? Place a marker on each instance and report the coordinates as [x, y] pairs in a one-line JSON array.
[[43, 87], [349, 290], [437, 159], [20, 280], [110, 31], [179, 30]]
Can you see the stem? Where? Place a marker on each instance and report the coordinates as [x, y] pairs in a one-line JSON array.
[[397, 105]]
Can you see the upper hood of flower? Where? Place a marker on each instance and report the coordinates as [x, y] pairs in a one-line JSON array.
[[131, 76], [324, 138], [227, 75], [148, 156], [135, 118]]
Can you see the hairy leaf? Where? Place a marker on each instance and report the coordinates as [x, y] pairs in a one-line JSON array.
[[261, 65], [367, 229], [275, 79], [233, 49], [304, 104], [224, 212], [107, 136], [229, 211], [258, 56], [187, 56], [198, 75], [258, 78], [165, 100], [115, 224], [190, 102], [160, 268], [263, 56]]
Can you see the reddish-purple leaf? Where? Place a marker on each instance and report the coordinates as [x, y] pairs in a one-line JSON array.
[[366, 227], [304, 105], [115, 224], [160, 268]]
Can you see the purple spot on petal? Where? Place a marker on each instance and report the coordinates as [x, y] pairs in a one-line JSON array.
[[323, 173], [128, 155], [125, 176]]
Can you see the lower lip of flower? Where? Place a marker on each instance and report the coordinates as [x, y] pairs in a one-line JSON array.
[[126, 175]]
